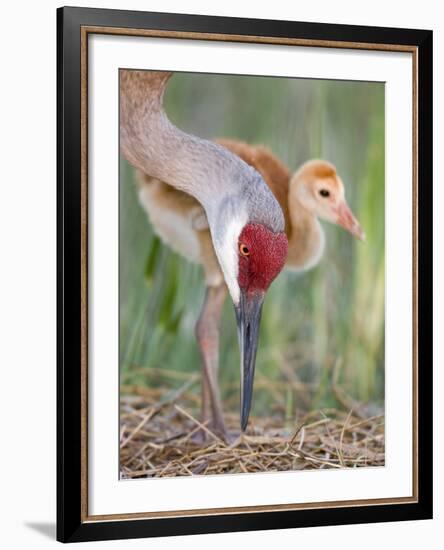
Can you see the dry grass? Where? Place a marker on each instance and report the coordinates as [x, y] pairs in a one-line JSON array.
[[159, 438]]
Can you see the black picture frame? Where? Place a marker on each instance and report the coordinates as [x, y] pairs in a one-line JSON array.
[[71, 523]]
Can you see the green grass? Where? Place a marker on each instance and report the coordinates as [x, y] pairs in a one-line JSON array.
[[332, 315]]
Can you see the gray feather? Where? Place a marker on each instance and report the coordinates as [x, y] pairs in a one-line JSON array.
[[223, 183]]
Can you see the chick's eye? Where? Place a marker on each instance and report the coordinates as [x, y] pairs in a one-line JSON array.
[[324, 193], [244, 250]]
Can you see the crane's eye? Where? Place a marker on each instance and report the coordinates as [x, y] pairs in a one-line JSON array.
[[324, 193], [244, 250]]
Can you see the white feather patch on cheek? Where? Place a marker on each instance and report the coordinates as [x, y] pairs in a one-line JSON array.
[[227, 254]]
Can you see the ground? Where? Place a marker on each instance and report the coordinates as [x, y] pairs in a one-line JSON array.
[[158, 430]]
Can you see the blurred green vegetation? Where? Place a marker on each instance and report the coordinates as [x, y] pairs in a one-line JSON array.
[[328, 322]]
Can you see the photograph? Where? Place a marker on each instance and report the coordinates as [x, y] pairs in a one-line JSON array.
[[244, 274], [251, 274], [218, 276]]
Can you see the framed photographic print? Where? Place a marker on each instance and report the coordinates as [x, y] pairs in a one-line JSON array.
[[244, 274]]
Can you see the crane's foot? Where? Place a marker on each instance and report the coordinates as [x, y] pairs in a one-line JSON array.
[[207, 437], [211, 432]]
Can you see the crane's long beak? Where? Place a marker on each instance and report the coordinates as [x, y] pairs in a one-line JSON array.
[[248, 315]]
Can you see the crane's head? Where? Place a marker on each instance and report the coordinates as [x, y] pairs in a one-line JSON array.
[[319, 189], [251, 254], [261, 256]]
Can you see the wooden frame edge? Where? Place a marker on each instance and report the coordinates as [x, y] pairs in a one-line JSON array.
[[251, 509], [252, 39]]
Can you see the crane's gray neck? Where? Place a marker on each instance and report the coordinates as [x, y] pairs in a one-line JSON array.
[[226, 186]]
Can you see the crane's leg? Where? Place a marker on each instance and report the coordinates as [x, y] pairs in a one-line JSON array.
[[207, 333]]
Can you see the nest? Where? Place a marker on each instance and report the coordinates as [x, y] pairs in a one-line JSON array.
[[161, 436]]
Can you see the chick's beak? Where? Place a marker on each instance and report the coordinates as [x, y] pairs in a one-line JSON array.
[[347, 220], [248, 315]]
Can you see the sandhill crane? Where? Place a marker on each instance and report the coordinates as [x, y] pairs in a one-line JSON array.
[[243, 216], [314, 191]]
